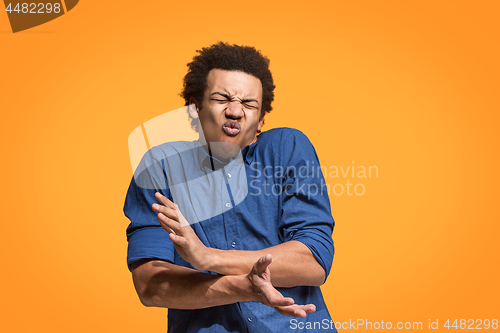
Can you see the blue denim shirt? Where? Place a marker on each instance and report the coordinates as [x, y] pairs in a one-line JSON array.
[[271, 193]]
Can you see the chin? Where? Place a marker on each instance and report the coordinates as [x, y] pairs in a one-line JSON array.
[[226, 149]]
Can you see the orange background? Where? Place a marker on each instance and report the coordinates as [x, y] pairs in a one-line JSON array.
[[409, 87]]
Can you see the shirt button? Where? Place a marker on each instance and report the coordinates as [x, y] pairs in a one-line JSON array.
[[228, 175], [249, 319], [233, 244], [228, 205]]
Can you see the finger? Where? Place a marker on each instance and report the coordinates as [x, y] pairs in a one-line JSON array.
[[303, 310], [275, 298], [288, 310], [169, 224], [159, 208], [165, 226], [170, 231], [280, 301], [170, 213], [296, 310], [164, 200], [179, 240], [180, 218], [310, 308]]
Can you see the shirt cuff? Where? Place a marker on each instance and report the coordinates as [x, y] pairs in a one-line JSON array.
[[149, 243], [320, 246]]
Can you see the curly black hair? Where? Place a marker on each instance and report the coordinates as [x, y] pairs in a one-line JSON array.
[[227, 57]]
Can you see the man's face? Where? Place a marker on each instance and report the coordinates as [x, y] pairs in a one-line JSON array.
[[231, 111]]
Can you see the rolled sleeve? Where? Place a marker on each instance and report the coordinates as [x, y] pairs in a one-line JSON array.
[[146, 238], [305, 210], [149, 243]]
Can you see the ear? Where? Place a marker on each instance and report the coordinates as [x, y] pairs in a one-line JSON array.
[[193, 108], [261, 122]]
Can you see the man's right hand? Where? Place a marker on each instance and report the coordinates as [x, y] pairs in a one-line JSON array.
[[163, 284], [264, 292]]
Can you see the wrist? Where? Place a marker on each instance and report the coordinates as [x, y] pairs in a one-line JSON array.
[[212, 259], [242, 287]]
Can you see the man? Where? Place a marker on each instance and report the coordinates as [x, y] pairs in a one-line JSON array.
[[225, 230]]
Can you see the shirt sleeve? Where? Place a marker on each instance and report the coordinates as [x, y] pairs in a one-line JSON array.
[[146, 238], [305, 207]]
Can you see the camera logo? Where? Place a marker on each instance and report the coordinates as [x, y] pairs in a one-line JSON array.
[[24, 15]]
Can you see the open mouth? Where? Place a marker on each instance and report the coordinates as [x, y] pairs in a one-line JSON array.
[[231, 128]]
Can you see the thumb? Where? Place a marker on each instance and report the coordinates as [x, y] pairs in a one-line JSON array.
[[262, 264]]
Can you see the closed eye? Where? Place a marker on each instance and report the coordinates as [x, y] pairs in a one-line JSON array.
[[220, 100], [250, 106], [250, 103], [221, 97]]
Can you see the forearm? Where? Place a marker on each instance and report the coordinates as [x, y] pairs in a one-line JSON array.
[[163, 284], [293, 264]]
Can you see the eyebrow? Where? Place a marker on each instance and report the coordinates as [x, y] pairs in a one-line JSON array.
[[228, 97]]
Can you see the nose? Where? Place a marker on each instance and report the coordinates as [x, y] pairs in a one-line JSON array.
[[234, 110]]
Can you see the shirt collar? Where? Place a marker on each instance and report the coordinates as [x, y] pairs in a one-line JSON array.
[[248, 152], [207, 161]]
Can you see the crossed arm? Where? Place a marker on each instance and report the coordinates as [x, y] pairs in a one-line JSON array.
[[245, 275]]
